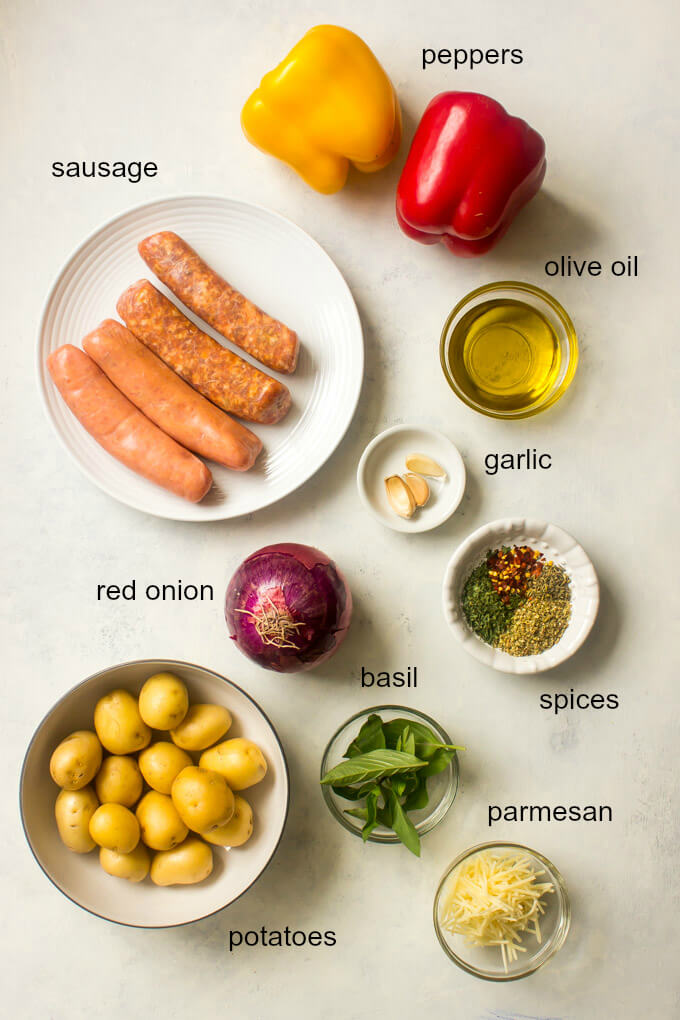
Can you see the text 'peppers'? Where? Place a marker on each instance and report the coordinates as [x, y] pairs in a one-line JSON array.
[[470, 169], [329, 103]]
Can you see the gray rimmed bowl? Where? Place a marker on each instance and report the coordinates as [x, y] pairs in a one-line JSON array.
[[144, 905]]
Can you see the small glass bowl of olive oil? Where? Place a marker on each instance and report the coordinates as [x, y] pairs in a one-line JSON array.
[[509, 350]]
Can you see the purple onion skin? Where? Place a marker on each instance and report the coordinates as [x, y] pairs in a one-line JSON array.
[[312, 589]]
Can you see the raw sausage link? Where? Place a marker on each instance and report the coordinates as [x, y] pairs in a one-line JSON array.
[[223, 377], [167, 400], [208, 295], [122, 430]]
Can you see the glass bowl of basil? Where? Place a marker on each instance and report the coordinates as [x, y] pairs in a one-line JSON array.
[[390, 774]]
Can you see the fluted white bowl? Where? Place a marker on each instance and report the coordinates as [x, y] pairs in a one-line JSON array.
[[556, 545]]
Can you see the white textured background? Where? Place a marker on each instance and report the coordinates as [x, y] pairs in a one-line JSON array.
[[165, 81]]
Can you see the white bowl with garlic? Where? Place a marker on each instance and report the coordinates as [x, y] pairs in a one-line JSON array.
[[411, 478]]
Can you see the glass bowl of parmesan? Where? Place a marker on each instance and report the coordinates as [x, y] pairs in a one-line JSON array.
[[501, 911]]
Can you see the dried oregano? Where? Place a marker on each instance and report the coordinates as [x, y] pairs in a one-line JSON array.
[[541, 621]]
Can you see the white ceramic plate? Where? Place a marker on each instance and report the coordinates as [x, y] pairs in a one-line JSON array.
[[386, 454], [145, 905], [556, 545], [278, 266]]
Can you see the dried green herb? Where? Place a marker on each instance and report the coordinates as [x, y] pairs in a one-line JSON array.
[[372, 766], [484, 611]]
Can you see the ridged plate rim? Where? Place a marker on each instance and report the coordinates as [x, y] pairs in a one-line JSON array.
[[294, 476]]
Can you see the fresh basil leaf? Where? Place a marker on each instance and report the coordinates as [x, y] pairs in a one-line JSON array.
[[426, 742], [398, 785], [418, 797], [438, 762], [399, 746], [374, 765], [411, 782], [385, 815], [361, 813], [369, 788], [355, 792], [393, 728], [425, 739], [404, 827], [348, 792], [369, 738], [371, 813], [408, 741]]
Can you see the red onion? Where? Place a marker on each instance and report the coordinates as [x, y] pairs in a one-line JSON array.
[[288, 607]]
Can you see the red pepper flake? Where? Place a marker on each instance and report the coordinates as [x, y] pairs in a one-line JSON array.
[[511, 568]]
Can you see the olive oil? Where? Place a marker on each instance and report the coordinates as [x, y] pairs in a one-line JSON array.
[[504, 355]]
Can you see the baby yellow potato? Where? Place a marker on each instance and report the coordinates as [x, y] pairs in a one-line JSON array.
[[115, 827], [133, 866], [201, 727], [188, 863], [119, 725], [73, 811], [237, 830], [163, 701], [161, 763], [75, 762], [240, 761], [160, 824], [119, 781], [202, 798]]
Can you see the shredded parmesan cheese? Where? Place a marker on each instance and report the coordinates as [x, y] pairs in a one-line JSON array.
[[492, 899]]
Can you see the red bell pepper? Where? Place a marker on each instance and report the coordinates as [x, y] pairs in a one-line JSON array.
[[470, 169]]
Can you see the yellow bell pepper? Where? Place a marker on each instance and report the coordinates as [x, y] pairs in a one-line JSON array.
[[329, 103]]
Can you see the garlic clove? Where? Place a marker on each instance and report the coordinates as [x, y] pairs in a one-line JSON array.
[[424, 465], [419, 488], [400, 496]]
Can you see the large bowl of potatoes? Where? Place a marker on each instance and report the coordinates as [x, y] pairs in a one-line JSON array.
[[154, 793]]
